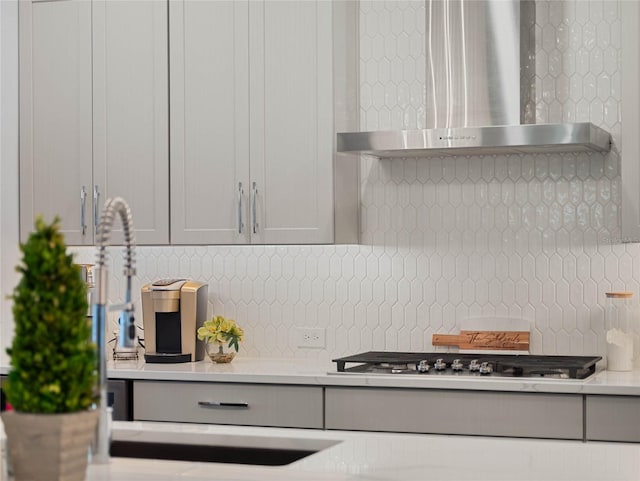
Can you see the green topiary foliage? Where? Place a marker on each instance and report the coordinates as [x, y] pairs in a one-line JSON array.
[[52, 357]]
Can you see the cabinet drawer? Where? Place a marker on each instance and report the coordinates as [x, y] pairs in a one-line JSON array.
[[613, 418], [455, 412], [228, 403]]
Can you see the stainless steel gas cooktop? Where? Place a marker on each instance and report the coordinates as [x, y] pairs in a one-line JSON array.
[[467, 364]]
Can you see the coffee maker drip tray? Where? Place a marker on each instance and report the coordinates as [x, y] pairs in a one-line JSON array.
[[166, 357]]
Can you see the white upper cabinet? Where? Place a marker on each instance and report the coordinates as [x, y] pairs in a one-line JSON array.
[[209, 75], [252, 122], [215, 120], [131, 112], [291, 155], [55, 117], [94, 114], [630, 125]]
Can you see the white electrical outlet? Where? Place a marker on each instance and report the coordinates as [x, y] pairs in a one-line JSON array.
[[313, 337]]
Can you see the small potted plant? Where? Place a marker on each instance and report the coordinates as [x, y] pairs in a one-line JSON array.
[[52, 381], [217, 333]]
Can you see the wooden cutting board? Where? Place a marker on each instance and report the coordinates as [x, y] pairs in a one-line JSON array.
[[494, 340]]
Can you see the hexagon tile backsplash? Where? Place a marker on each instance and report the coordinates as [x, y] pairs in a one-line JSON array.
[[521, 236]]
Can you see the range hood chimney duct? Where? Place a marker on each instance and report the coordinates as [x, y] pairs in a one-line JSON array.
[[480, 89], [477, 52]]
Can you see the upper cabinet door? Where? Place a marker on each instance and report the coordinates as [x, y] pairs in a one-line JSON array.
[[630, 125], [209, 74], [292, 103], [131, 113], [55, 116]]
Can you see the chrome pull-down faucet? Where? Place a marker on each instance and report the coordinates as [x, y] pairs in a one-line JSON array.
[[127, 338]]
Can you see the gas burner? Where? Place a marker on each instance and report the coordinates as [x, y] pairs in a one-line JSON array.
[[393, 368]]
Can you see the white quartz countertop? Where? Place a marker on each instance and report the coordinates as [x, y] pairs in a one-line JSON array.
[[367, 456], [323, 373], [378, 456]]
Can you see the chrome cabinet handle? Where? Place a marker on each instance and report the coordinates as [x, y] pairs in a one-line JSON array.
[[240, 196], [218, 404], [83, 198], [254, 216], [96, 208]]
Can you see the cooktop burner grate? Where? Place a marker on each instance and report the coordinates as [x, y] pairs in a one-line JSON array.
[[507, 365]]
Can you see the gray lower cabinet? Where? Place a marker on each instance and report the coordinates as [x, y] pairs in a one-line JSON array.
[[613, 418], [485, 413], [429, 411], [119, 399], [229, 403]]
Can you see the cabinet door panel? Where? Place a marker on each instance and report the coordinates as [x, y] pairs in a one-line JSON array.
[[613, 418], [292, 120], [630, 121], [55, 115], [483, 413], [209, 75], [131, 131]]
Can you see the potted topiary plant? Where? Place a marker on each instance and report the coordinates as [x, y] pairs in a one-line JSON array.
[[52, 382]]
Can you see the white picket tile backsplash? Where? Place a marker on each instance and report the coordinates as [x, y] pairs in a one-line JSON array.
[[521, 236]]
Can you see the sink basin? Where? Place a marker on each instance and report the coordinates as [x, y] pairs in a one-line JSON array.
[[202, 453], [236, 449]]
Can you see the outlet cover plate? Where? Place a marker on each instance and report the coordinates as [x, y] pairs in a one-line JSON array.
[[311, 337]]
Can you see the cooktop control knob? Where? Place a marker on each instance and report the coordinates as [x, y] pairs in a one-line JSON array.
[[456, 365], [440, 365], [485, 368], [423, 366], [474, 365]]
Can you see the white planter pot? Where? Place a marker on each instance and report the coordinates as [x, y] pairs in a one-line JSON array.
[[49, 447]]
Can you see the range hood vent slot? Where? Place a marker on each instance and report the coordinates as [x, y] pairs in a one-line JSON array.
[[480, 95]]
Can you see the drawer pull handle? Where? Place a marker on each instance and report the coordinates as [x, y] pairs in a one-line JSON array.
[[216, 404]]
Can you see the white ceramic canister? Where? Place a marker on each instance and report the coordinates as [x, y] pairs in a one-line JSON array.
[[618, 322]]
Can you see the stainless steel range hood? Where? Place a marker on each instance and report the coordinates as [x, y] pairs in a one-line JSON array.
[[510, 139], [480, 96]]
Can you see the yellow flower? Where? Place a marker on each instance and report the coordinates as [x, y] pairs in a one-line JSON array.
[[221, 330]]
